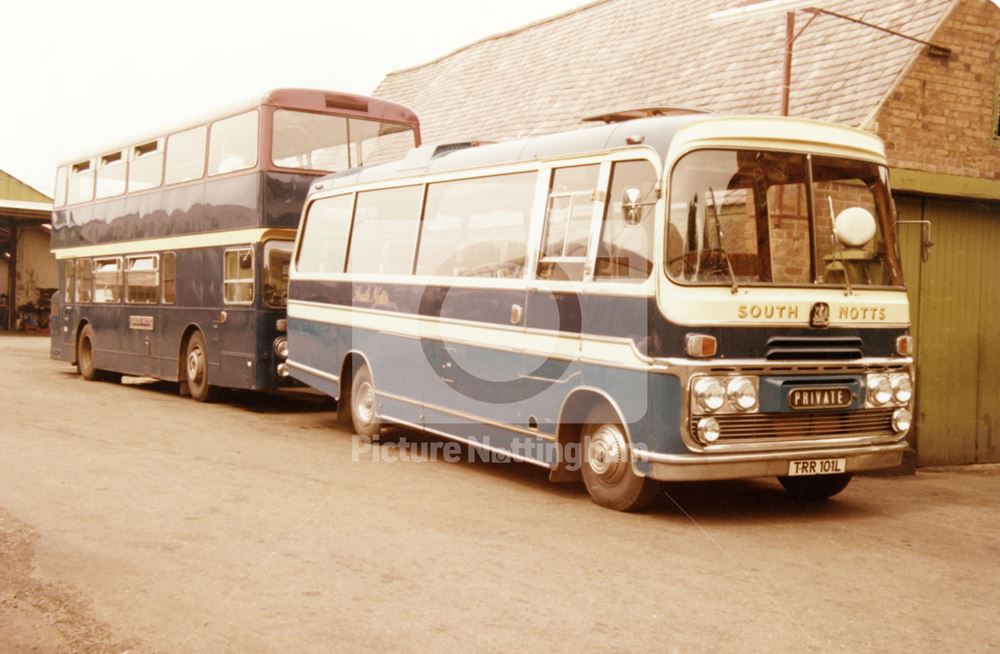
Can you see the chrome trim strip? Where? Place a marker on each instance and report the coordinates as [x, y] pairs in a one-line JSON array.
[[471, 443], [726, 459], [465, 416]]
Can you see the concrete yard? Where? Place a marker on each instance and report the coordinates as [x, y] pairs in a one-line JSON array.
[[133, 519]]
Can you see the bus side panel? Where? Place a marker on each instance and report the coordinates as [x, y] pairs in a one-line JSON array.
[[284, 195], [398, 369], [237, 344]]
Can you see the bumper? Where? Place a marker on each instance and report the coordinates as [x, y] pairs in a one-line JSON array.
[[704, 467]]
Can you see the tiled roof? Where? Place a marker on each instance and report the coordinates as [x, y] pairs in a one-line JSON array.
[[617, 54]]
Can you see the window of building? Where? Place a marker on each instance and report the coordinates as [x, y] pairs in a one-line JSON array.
[[385, 231], [81, 182], [168, 269], [274, 276], [570, 212], [142, 279], [60, 194], [146, 166], [313, 141], [108, 280], [186, 155], [238, 276], [324, 237], [477, 227], [625, 251], [232, 144], [111, 175], [84, 280], [69, 276]]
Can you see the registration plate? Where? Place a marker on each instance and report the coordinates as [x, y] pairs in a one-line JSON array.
[[806, 467], [820, 397]]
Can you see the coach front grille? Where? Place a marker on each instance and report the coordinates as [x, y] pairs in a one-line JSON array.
[[798, 426]]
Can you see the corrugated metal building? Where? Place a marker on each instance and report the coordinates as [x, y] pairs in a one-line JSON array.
[[937, 114], [28, 275]]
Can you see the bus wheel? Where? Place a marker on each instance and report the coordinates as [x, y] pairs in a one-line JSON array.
[[816, 488], [85, 354], [196, 370], [607, 465], [364, 414]]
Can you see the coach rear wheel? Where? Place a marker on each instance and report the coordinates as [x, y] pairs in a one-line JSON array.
[[364, 414], [85, 354], [816, 488], [607, 465], [196, 370]]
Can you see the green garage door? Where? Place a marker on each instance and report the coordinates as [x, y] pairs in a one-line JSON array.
[[955, 307]]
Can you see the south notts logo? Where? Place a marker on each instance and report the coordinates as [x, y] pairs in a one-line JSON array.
[[819, 316]]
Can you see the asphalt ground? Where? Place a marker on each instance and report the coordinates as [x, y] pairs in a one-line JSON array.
[[133, 519]]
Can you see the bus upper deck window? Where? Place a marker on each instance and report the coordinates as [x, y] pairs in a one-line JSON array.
[[312, 141], [186, 155], [145, 168], [81, 182], [232, 144], [111, 175]]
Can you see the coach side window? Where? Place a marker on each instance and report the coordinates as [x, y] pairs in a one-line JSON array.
[[324, 236], [108, 280], [186, 155], [142, 279], [238, 276], [168, 270], [477, 227], [84, 280], [233, 144], [385, 231], [568, 218], [625, 251]]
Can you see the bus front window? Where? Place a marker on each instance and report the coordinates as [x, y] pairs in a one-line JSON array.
[[277, 256], [761, 217], [330, 143]]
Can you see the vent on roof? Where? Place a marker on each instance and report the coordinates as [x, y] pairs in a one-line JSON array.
[[338, 101], [445, 148], [642, 112]]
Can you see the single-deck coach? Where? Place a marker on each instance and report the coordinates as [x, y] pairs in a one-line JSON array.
[[676, 298]]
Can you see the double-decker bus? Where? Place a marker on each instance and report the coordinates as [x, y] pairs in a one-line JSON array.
[[173, 250], [674, 298]]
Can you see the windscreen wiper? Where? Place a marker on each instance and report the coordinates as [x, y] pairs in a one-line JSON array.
[[721, 249]]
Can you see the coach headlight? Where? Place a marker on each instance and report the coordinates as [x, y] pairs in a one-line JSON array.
[[901, 420], [742, 393], [709, 394], [879, 389], [708, 430], [902, 387], [281, 347]]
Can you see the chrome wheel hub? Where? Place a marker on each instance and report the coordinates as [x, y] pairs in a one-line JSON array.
[[607, 453], [364, 403], [194, 364]]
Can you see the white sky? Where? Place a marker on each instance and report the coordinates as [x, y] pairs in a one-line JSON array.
[[79, 76]]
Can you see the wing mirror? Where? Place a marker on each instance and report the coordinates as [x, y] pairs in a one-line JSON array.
[[632, 205]]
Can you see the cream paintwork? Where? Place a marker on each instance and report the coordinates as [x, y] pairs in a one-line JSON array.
[[186, 242], [713, 305]]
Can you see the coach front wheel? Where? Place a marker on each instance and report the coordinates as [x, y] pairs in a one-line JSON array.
[[606, 465]]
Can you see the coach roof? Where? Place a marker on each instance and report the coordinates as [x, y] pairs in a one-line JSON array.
[[657, 134]]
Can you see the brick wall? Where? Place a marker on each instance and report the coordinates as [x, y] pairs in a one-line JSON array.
[[942, 117]]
